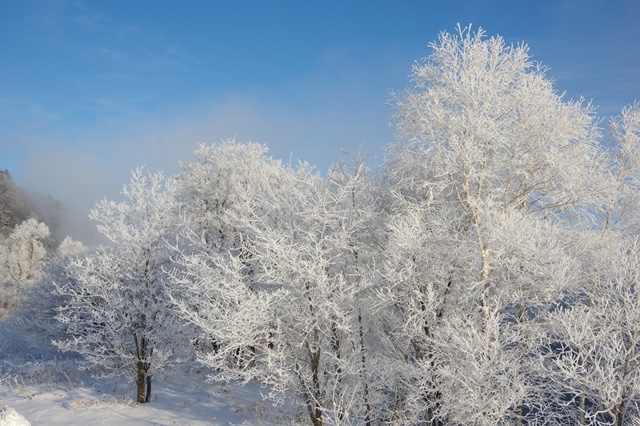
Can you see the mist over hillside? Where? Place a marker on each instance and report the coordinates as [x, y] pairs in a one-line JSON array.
[[18, 204]]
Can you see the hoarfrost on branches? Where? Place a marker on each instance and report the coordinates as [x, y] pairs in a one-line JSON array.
[[118, 314]]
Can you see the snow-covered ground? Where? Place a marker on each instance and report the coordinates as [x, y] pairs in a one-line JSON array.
[[96, 404], [48, 389], [172, 405]]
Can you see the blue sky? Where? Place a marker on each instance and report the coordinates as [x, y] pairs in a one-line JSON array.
[[91, 89]]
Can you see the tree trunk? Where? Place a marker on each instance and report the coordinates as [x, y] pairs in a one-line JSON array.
[[148, 396], [619, 412], [581, 410], [316, 418], [363, 372], [314, 363], [143, 378], [141, 382]]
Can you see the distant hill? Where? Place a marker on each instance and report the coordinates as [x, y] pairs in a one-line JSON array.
[[18, 205], [13, 207]]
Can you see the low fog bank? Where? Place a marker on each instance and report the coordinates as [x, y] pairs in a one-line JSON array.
[[63, 218]]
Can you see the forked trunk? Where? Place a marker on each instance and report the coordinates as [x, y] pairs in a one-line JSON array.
[[619, 412]]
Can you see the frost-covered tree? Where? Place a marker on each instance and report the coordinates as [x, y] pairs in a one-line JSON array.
[[70, 247], [41, 300], [24, 252], [599, 343], [22, 256], [223, 181], [118, 313], [598, 252], [359, 215], [213, 196], [622, 210], [489, 156], [286, 306]]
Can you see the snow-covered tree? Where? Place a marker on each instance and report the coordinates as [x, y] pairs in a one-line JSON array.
[[285, 304], [70, 247], [599, 343], [22, 256], [24, 252], [213, 196], [598, 251], [492, 164], [622, 210], [223, 181], [41, 300], [118, 313]]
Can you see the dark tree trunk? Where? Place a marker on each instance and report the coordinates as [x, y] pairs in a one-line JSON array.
[[148, 396], [314, 361], [140, 382], [619, 412], [363, 372], [143, 378], [143, 382], [316, 418]]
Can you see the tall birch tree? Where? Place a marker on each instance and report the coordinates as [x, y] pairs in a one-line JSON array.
[[487, 147]]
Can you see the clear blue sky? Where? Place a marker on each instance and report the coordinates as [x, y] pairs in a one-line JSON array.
[[91, 89]]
